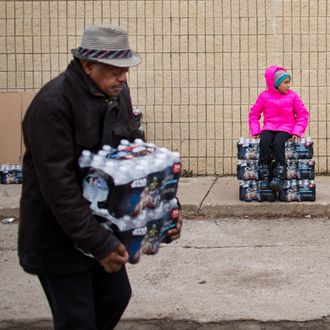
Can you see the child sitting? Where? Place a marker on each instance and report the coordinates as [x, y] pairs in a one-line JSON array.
[[284, 116]]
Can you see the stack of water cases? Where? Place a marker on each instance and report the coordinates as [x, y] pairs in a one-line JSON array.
[[11, 173], [300, 173], [132, 191]]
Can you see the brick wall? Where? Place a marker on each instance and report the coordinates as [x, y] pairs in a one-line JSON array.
[[203, 64]]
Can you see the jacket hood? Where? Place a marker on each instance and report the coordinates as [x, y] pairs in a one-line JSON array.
[[269, 76]]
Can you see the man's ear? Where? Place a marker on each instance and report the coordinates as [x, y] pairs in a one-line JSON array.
[[87, 66]]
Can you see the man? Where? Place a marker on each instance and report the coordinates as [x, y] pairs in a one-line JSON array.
[[85, 107]]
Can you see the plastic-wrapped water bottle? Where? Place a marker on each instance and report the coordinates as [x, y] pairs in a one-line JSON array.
[[176, 157], [95, 189], [139, 172], [121, 147], [107, 148], [145, 165], [309, 141], [139, 141], [111, 167], [242, 140], [98, 162], [142, 219], [123, 175], [125, 223], [85, 159], [124, 142], [162, 157], [103, 154], [150, 145]]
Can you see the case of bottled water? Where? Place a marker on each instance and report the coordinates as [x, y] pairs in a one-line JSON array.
[[146, 239], [248, 149], [248, 170], [265, 194], [248, 191], [302, 149], [298, 191], [299, 167], [255, 191], [11, 173], [133, 190], [306, 169]]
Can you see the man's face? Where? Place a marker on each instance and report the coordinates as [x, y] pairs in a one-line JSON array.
[[108, 78]]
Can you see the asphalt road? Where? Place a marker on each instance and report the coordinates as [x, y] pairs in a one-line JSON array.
[[222, 274]]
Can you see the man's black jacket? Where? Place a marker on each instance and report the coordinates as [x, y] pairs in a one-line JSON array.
[[64, 118]]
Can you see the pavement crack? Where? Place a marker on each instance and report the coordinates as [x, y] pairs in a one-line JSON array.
[[202, 201]]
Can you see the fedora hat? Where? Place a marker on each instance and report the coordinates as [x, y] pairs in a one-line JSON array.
[[106, 44]]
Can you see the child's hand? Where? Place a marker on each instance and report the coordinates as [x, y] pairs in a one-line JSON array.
[[295, 138], [257, 136]]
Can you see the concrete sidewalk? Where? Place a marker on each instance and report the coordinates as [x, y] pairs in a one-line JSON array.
[[218, 197], [243, 266], [214, 197]]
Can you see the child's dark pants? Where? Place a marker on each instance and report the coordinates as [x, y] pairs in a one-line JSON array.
[[273, 141]]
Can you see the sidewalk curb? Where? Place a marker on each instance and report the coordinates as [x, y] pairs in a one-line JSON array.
[[165, 324], [245, 210], [266, 210]]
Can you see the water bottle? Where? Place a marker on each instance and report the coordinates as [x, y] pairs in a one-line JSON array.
[[146, 167], [242, 140], [139, 172], [309, 141], [121, 147], [19, 174], [85, 159], [123, 175], [95, 189], [110, 167], [125, 223], [175, 164], [291, 169], [142, 219], [108, 149], [98, 162], [124, 142], [138, 141]]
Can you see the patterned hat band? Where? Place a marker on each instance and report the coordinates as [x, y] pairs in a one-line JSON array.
[[104, 53], [106, 44]]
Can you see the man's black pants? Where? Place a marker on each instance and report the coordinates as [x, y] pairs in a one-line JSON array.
[[90, 300], [273, 141]]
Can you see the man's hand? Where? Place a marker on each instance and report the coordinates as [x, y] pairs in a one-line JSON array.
[[175, 233], [113, 262], [295, 138]]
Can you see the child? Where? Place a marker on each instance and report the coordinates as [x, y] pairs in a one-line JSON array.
[[284, 117]]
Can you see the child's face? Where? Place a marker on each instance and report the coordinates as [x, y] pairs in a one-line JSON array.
[[284, 86]]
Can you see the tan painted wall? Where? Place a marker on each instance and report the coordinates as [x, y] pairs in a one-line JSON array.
[[203, 65]]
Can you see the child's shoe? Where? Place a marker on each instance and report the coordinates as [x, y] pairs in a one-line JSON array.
[[279, 175], [266, 174]]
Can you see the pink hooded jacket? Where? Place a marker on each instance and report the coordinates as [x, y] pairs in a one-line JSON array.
[[281, 112]]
